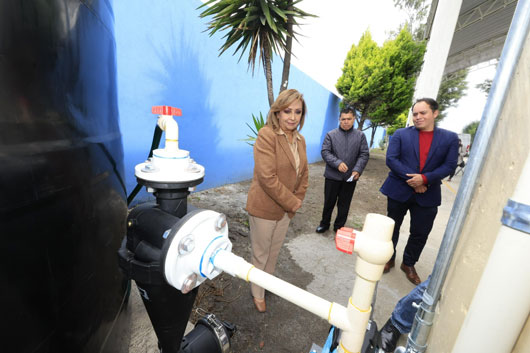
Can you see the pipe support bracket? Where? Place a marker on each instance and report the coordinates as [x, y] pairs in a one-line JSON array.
[[516, 215], [417, 339]]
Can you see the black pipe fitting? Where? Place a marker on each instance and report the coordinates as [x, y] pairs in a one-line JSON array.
[[151, 228]]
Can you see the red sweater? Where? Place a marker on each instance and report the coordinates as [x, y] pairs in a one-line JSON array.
[[425, 146]]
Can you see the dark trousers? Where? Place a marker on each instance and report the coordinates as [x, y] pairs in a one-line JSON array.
[[337, 193], [421, 221]]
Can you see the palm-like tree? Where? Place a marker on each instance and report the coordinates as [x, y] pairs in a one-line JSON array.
[[263, 26]]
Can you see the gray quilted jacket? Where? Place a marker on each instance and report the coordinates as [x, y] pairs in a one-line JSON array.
[[349, 147]]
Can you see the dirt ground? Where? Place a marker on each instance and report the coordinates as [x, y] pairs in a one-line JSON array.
[[308, 260]]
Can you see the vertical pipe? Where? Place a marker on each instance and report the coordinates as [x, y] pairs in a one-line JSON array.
[[169, 310], [170, 126], [513, 47], [173, 201], [359, 310], [501, 303], [374, 249]]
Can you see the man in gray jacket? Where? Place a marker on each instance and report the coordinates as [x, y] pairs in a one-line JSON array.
[[346, 153]]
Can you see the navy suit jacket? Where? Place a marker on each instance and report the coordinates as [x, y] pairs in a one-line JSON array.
[[403, 157]]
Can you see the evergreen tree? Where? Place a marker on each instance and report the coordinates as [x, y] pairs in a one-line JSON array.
[[378, 82], [362, 77]]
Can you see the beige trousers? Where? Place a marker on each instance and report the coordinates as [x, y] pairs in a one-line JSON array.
[[266, 240]]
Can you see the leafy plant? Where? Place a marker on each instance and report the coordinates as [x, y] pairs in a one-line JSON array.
[[258, 122], [263, 26]]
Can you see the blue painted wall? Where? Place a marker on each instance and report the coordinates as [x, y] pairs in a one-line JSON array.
[[166, 58]]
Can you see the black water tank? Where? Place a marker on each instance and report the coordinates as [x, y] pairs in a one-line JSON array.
[[62, 197]]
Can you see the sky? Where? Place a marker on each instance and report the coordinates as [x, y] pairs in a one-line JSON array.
[[325, 41], [470, 106]]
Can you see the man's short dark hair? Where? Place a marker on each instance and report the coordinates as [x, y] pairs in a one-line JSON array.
[[347, 110], [431, 102]]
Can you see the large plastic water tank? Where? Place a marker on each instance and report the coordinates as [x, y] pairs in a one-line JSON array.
[[62, 198]]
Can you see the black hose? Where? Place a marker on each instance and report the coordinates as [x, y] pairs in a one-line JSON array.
[[157, 135]]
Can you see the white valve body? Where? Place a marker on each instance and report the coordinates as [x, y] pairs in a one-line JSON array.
[[169, 164], [169, 167]]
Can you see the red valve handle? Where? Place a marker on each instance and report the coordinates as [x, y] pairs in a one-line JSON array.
[[166, 110]]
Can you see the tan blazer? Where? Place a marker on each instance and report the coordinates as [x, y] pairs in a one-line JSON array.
[[275, 184]]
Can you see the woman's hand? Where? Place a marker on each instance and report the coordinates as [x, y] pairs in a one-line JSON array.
[[297, 205]]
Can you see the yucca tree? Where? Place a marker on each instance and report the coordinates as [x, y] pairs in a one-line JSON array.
[[264, 27]]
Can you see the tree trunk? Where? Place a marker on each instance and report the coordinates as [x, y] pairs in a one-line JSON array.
[[374, 128], [268, 71], [361, 123], [289, 45]]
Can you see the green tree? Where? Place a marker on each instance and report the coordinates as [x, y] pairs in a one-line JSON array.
[[400, 122], [264, 27], [452, 88], [417, 11], [471, 129], [403, 59], [485, 86], [378, 82], [361, 77]]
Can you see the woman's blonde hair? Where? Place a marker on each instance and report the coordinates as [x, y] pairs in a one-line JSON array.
[[285, 98]]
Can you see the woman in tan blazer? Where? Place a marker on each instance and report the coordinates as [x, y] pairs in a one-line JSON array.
[[279, 183]]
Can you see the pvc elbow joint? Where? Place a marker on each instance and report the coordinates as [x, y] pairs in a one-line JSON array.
[[170, 126]]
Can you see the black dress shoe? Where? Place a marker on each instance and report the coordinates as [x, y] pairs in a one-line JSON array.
[[321, 229], [388, 337]]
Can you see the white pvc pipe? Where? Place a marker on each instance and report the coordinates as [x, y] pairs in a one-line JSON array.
[[359, 310], [170, 126], [501, 304], [236, 266], [374, 248]]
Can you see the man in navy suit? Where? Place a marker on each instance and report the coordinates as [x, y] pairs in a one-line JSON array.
[[419, 157]]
